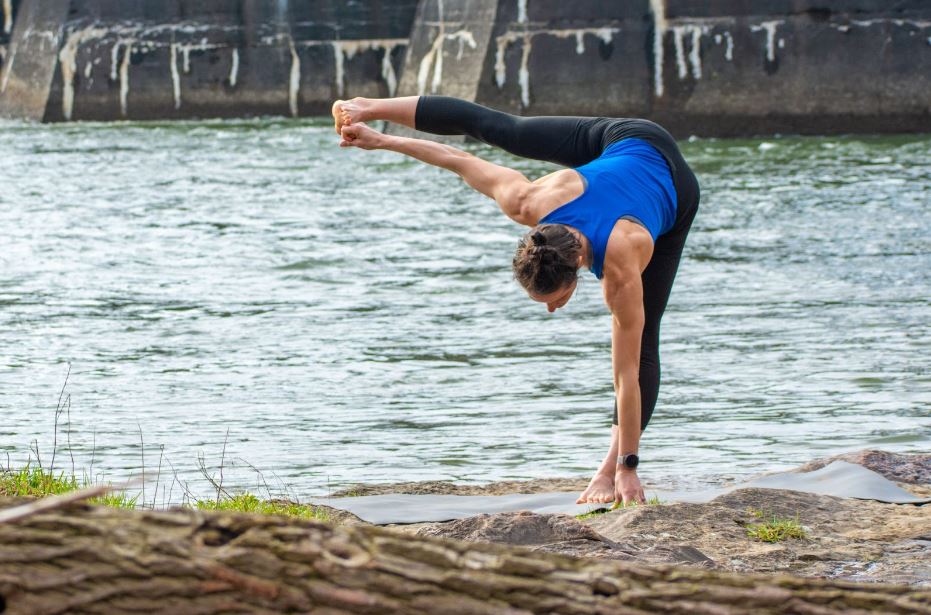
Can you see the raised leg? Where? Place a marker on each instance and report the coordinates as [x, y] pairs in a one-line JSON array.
[[569, 141]]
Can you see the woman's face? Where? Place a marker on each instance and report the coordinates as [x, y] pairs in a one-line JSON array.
[[557, 298]]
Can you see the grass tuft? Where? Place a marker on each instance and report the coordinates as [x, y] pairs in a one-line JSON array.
[[116, 499], [35, 482], [248, 503], [776, 529]]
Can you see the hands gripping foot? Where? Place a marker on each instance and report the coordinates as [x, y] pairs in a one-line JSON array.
[[348, 112]]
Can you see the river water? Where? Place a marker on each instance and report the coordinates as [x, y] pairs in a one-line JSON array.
[[336, 316]]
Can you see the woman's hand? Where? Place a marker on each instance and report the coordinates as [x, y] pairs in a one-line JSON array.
[[361, 136], [627, 487]]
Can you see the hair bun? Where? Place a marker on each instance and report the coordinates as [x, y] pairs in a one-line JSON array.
[[538, 238]]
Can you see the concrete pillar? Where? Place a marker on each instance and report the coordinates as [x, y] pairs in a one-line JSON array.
[[448, 47], [31, 58]]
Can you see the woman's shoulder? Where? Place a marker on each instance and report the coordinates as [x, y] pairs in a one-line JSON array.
[[629, 249], [555, 190]]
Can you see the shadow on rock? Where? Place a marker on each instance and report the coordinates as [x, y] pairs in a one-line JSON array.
[[555, 533]]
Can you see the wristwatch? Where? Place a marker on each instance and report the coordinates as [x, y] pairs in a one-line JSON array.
[[629, 461]]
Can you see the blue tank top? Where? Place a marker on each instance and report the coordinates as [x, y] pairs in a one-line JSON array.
[[630, 179]]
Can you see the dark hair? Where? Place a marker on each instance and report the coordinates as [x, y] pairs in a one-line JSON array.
[[547, 259]]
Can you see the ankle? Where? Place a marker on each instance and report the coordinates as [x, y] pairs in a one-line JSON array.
[[365, 107], [605, 471]]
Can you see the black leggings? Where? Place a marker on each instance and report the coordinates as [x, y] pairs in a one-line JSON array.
[[572, 142]]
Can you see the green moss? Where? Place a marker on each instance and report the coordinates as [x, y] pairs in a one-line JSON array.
[[653, 501], [776, 529], [248, 503]]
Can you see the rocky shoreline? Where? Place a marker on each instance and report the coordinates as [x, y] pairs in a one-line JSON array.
[[845, 539]]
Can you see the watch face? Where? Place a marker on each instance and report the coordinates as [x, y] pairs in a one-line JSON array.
[[631, 461]]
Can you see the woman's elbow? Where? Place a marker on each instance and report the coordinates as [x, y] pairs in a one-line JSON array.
[[520, 204]]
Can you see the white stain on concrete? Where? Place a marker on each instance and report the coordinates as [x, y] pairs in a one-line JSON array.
[[175, 77], [114, 59], [464, 37], [387, 72], [658, 8], [605, 34], [234, 67], [521, 11], [433, 60], [68, 64], [918, 23], [770, 28], [694, 32], [429, 60], [294, 82], [523, 73], [7, 16], [124, 77], [344, 51], [526, 39], [437, 80], [339, 67]]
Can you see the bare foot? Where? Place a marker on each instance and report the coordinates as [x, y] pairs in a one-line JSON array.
[[348, 112], [599, 491]]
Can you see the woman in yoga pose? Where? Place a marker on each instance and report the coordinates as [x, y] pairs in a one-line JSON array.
[[623, 210]]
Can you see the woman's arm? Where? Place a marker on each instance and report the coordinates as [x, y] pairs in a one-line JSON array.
[[509, 188], [624, 296]]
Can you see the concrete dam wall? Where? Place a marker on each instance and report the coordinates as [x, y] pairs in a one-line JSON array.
[[722, 67], [163, 59]]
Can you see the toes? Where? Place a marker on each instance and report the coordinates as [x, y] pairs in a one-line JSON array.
[[337, 111]]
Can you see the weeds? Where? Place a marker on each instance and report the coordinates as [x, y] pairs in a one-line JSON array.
[[116, 500], [248, 503], [35, 482], [776, 529]]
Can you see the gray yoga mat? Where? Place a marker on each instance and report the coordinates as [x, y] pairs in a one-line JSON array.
[[840, 478]]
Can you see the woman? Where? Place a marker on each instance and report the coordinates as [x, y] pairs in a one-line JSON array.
[[623, 209]]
